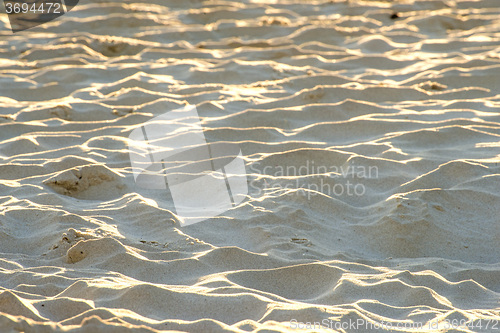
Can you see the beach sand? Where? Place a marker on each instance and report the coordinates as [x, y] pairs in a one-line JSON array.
[[370, 133]]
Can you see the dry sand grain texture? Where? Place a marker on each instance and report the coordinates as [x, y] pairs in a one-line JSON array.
[[409, 89]]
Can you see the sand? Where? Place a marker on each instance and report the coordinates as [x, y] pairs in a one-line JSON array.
[[370, 135]]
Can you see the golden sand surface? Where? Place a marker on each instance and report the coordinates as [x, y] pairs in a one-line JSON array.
[[369, 131]]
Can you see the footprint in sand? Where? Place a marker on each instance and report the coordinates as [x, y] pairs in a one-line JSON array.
[[92, 182], [93, 248]]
